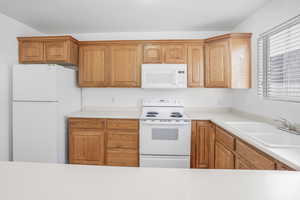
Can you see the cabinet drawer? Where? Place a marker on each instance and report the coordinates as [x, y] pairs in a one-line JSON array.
[[225, 138], [280, 166], [240, 163], [258, 160], [86, 123], [122, 157], [123, 124], [122, 139]]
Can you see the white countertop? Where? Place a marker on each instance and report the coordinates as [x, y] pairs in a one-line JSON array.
[[288, 156], [29, 181], [117, 113]]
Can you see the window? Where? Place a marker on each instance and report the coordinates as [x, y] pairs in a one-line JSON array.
[[279, 62]]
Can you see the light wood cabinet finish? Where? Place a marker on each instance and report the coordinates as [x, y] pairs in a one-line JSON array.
[[94, 66], [86, 146], [125, 65], [240, 163], [225, 138], [217, 64], [153, 53], [228, 61], [175, 54], [257, 159], [104, 141], [93, 123], [195, 66], [224, 158], [283, 167], [122, 139], [55, 51], [61, 50], [126, 124], [31, 51], [122, 157], [200, 152]]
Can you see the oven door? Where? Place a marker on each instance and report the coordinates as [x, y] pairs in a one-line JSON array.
[[165, 138]]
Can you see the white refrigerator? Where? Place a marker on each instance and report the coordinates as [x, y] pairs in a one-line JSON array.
[[42, 96]]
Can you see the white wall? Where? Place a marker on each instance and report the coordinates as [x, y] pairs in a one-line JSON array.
[[10, 29], [272, 14], [132, 97], [193, 97]]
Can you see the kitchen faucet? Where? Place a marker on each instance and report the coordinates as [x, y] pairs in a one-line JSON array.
[[287, 126]]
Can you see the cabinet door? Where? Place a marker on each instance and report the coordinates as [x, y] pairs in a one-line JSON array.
[[217, 64], [200, 144], [152, 53], [242, 164], [122, 139], [86, 146], [175, 54], [93, 66], [56, 51], [125, 65], [122, 157], [280, 166], [224, 159], [195, 66], [31, 52]]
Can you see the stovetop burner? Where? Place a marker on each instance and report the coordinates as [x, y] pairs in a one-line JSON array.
[[149, 115], [152, 113], [176, 115]]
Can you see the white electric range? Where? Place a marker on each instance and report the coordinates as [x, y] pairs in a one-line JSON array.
[[165, 134]]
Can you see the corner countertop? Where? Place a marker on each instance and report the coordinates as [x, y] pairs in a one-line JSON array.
[[288, 156], [35, 181]]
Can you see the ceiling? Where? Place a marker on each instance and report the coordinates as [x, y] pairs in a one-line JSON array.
[[92, 16]]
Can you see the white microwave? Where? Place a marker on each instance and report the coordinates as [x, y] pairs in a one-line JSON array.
[[164, 76]]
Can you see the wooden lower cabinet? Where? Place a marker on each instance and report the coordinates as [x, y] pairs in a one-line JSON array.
[[122, 157], [253, 156], [201, 144], [103, 142], [283, 167], [224, 158], [240, 163], [87, 146]]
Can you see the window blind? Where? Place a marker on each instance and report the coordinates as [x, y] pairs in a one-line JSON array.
[[279, 62]]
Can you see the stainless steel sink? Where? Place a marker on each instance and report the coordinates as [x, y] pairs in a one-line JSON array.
[[267, 134]]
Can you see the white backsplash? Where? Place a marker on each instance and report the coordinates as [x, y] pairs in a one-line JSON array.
[[131, 97]]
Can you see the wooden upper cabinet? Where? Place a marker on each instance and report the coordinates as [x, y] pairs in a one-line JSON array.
[[31, 51], [153, 53], [195, 66], [61, 50], [165, 52], [93, 66], [125, 65], [55, 51], [87, 146], [228, 61], [175, 53], [217, 64]]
